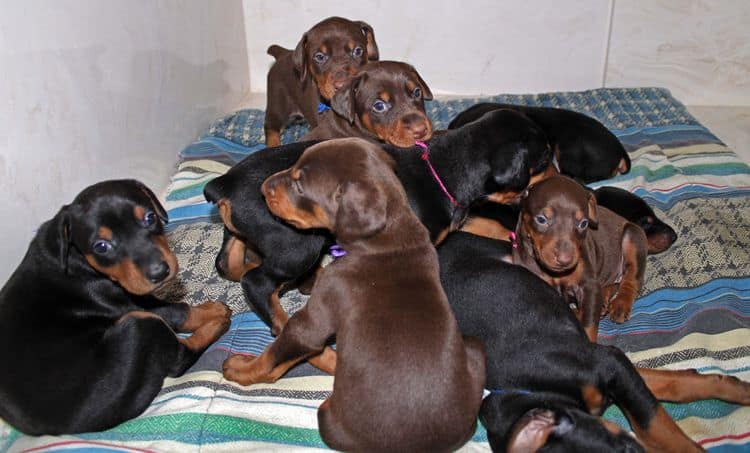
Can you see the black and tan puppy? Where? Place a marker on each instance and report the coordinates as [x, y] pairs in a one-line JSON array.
[[593, 256], [585, 149], [660, 236], [548, 384], [383, 301], [301, 80], [472, 163], [384, 102], [87, 345]]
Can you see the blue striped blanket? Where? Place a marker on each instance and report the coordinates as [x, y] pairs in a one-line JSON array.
[[694, 310]]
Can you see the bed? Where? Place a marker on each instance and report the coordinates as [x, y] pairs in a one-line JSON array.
[[693, 312]]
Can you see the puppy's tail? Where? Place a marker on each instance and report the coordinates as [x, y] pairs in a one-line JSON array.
[[277, 51]]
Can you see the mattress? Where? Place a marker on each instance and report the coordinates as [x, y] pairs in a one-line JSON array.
[[693, 311]]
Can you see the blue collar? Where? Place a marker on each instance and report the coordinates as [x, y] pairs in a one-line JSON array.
[[323, 107]]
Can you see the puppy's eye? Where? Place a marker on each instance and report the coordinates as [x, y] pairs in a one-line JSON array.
[[102, 247], [357, 52], [149, 219], [297, 186], [583, 224], [380, 106], [417, 93], [541, 220], [320, 57]]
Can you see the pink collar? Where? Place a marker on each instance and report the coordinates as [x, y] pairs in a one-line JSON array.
[[426, 157], [513, 239]]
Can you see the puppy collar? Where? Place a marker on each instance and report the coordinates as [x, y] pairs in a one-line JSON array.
[[488, 392], [336, 251], [426, 157], [513, 239], [322, 107]]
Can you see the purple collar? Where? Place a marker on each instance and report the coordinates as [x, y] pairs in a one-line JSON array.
[[426, 157], [336, 251]]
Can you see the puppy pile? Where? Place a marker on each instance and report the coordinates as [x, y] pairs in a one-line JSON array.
[[438, 237]]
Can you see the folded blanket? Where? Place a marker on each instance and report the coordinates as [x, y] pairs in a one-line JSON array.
[[694, 310]]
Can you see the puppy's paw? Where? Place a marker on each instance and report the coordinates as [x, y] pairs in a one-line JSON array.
[[241, 369], [619, 310], [208, 322]]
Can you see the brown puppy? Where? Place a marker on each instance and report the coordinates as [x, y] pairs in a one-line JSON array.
[[329, 53], [589, 253], [383, 301], [383, 102]]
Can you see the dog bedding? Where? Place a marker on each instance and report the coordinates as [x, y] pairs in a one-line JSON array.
[[693, 312]]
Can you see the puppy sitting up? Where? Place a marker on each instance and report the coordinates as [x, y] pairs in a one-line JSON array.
[[302, 80], [383, 300], [586, 251]]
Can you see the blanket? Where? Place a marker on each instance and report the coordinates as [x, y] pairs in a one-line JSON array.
[[693, 311]]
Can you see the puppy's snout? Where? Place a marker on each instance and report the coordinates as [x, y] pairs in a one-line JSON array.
[[157, 272], [417, 125], [339, 77]]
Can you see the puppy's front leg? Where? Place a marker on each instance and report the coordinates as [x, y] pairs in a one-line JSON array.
[[302, 337], [590, 308]]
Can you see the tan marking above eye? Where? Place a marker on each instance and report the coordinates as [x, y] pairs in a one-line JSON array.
[[385, 96], [548, 212], [105, 233], [139, 213], [323, 49]]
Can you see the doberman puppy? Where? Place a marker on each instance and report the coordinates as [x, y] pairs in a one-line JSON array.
[[302, 80], [584, 148], [498, 220], [632, 207], [384, 102], [547, 382], [383, 301], [87, 344], [472, 163], [586, 251]]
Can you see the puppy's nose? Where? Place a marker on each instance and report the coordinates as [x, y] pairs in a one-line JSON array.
[[157, 272], [337, 84], [419, 130], [564, 258]]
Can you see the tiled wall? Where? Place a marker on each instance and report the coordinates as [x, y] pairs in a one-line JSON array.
[[699, 49]]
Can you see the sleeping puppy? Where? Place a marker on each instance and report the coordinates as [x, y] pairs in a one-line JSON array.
[[302, 80], [660, 235], [585, 149], [384, 102], [384, 303]]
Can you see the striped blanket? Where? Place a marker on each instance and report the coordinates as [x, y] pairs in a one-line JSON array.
[[694, 309]]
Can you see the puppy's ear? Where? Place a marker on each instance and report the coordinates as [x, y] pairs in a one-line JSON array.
[[64, 235], [373, 54], [591, 207], [158, 208], [510, 166], [299, 58], [361, 211], [426, 93], [531, 431], [343, 100]]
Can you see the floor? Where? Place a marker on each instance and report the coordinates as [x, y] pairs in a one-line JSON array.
[[730, 124]]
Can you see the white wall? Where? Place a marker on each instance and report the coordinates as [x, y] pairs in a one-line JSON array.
[[92, 90], [466, 47], [699, 49]]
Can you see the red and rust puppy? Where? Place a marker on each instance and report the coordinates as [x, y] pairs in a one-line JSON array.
[[300, 80], [384, 102], [88, 343], [383, 301], [586, 251]]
